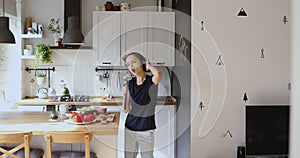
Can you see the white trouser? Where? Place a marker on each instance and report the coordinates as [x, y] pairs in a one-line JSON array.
[[139, 140]]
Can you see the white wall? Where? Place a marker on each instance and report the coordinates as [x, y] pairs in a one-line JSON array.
[[42, 11], [240, 40], [10, 7], [295, 100], [10, 63]]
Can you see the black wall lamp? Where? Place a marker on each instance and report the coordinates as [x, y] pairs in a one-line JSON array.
[[6, 36], [242, 12]]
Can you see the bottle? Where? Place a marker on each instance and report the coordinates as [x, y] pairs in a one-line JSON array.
[[64, 90], [159, 5], [102, 93]]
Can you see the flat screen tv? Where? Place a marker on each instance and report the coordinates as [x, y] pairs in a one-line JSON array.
[[267, 130]]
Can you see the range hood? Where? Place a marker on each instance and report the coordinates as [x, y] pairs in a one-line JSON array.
[[73, 35], [72, 24]]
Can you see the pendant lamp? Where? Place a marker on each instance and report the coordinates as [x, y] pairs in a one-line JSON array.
[[73, 34], [6, 35]]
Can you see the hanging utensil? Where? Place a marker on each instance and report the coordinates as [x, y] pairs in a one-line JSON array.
[[118, 79]]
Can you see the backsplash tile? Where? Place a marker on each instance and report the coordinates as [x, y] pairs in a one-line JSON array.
[[83, 80]]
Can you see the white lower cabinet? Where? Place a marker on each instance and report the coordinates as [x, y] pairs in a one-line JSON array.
[[164, 134], [165, 131]]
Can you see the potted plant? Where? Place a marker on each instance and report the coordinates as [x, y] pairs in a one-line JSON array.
[[42, 55], [55, 28], [40, 78]]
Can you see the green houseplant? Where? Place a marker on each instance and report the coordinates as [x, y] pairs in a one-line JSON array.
[[38, 74], [42, 55], [55, 28], [40, 78]]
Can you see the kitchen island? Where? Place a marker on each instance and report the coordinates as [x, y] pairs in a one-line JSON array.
[[104, 141], [114, 144], [38, 123]]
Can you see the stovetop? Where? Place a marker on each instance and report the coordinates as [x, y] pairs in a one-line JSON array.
[[68, 98]]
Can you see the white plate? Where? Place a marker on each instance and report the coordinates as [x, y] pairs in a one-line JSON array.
[[79, 123]]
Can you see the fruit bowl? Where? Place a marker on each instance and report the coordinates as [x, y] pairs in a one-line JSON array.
[[87, 110], [81, 118]]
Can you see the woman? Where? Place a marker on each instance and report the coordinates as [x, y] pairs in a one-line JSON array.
[[141, 97]]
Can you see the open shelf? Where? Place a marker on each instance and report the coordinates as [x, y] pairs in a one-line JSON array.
[[27, 56], [32, 35]]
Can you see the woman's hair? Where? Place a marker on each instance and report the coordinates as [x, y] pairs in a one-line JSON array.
[[138, 55]]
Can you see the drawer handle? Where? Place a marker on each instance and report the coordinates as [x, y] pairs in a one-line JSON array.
[[106, 63], [160, 63]]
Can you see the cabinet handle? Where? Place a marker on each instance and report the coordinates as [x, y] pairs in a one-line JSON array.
[[106, 63], [201, 106], [160, 63]]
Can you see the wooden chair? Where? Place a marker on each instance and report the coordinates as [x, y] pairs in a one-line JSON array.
[[16, 137], [68, 137]]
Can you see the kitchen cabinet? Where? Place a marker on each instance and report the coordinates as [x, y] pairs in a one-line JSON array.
[[106, 38], [161, 37], [134, 32], [165, 131], [149, 33]]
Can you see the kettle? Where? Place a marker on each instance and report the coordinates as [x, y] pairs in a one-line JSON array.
[[42, 93], [51, 91]]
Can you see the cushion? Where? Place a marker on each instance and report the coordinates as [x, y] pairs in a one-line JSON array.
[[34, 153], [71, 154]]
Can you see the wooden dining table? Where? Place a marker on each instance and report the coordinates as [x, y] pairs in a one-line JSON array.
[[39, 123]]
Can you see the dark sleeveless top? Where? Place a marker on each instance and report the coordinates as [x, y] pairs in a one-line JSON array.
[[143, 98]]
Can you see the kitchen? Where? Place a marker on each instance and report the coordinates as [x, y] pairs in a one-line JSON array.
[[77, 68], [241, 57]]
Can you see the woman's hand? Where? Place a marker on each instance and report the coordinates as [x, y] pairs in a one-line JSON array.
[[156, 73], [126, 101], [148, 65]]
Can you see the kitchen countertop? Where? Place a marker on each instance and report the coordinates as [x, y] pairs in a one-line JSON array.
[[118, 100]]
